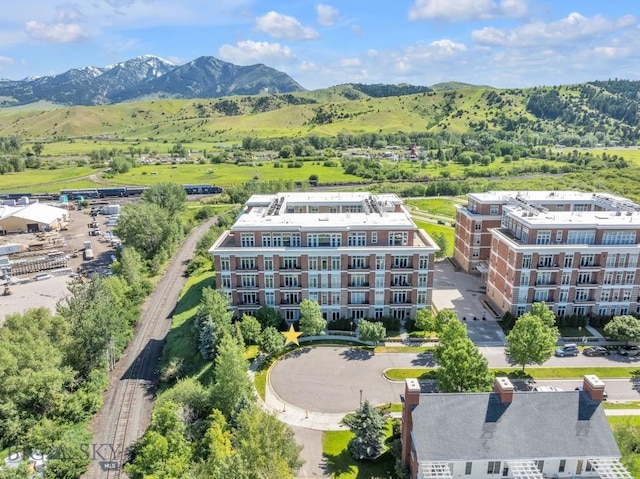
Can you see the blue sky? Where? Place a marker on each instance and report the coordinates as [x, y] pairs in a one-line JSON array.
[[503, 43]]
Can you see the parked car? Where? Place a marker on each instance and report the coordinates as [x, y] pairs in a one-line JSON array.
[[629, 350], [596, 351], [570, 349], [546, 389], [94, 233]]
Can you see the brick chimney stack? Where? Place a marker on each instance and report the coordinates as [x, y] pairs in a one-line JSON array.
[[504, 388], [594, 386], [411, 400]]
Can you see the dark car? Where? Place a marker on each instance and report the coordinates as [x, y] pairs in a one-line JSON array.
[[596, 351], [629, 350]]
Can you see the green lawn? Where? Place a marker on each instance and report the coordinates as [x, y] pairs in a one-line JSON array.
[[180, 343], [342, 466], [251, 352], [260, 382], [433, 228], [47, 181], [400, 374], [436, 206]]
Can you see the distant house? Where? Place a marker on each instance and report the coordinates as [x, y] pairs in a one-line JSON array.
[[508, 433]]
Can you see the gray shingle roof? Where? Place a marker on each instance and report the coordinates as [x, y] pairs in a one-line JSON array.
[[536, 425]]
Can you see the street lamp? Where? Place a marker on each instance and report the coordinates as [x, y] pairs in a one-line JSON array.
[[361, 397]]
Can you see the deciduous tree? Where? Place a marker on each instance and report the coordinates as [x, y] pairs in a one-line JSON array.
[[311, 321], [371, 331], [531, 341], [463, 368], [623, 328], [168, 196], [231, 380], [271, 341]]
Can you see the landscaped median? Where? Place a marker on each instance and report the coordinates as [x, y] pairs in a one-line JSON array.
[[400, 374]]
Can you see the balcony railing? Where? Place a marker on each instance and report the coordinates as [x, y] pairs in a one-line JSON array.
[[400, 284], [401, 266], [358, 266], [359, 285], [295, 285]]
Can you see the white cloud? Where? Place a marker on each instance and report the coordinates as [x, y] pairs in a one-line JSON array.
[[69, 13], [56, 32], [350, 62], [278, 25], [308, 66], [464, 10], [6, 60], [248, 52], [326, 14], [574, 27]]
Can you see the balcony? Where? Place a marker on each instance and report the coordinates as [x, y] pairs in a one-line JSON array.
[[289, 302], [289, 267], [588, 265], [246, 286], [359, 285], [547, 266], [249, 303], [358, 266], [589, 299], [401, 266], [250, 267], [401, 284], [546, 283], [288, 286]]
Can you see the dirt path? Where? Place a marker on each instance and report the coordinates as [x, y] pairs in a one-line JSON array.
[[129, 400]]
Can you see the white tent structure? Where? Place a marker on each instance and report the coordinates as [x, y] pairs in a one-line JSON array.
[[32, 218]]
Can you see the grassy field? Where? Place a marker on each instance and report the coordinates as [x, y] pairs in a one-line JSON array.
[[433, 228], [38, 181], [342, 466], [437, 206], [180, 340], [400, 374]]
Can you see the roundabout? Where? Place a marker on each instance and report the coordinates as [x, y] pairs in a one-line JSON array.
[[335, 379]]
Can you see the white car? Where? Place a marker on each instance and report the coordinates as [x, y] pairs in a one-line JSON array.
[[546, 389]]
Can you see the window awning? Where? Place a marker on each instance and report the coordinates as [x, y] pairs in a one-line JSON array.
[[435, 470], [610, 468], [524, 470]]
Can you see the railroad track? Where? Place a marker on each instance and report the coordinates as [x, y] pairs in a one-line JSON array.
[[129, 399]]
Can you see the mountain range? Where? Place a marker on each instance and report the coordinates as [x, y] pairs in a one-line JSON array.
[[147, 77]]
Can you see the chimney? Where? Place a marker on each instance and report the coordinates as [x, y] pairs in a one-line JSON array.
[[504, 388], [594, 386], [410, 400]]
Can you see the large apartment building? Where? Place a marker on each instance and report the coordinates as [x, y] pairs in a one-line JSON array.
[[578, 252], [358, 255]]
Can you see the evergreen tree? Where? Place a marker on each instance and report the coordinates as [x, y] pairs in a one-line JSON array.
[[367, 424]]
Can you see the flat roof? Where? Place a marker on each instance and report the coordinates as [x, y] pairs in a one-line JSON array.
[[550, 197], [270, 211], [582, 219]]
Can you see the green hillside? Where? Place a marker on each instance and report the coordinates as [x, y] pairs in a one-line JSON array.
[[591, 114]]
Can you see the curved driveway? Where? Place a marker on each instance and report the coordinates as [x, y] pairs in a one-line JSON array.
[[329, 379]]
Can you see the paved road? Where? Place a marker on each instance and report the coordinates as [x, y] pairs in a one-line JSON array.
[[131, 394], [329, 379]]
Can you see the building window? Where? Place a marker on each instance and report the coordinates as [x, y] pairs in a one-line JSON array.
[[493, 211], [399, 297], [589, 467], [584, 278], [290, 280], [291, 315], [422, 280], [619, 237], [335, 298], [336, 263], [357, 239], [467, 468], [629, 278], [520, 310], [379, 297], [546, 261], [582, 294], [541, 295], [526, 261], [270, 298], [562, 310], [568, 261], [379, 262], [249, 298], [423, 262], [543, 237], [268, 263], [524, 278], [478, 226], [611, 261], [626, 295], [324, 240], [607, 278], [290, 298], [378, 313], [605, 294], [358, 280], [357, 297], [313, 281], [290, 263], [313, 296], [476, 240], [248, 280], [566, 279], [247, 263], [358, 262], [401, 262], [581, 237], [313, 263], [563, 296], [224, 263], [539, 465], [475, 253], [400, 280], [493, 467], [379, 281], [421, 297], [247, 240], [587, 260], [633, 260], [374, 237], [268, 281], [398, 238], [544, 278], [336, 281], [563, 465], [226, 282]]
